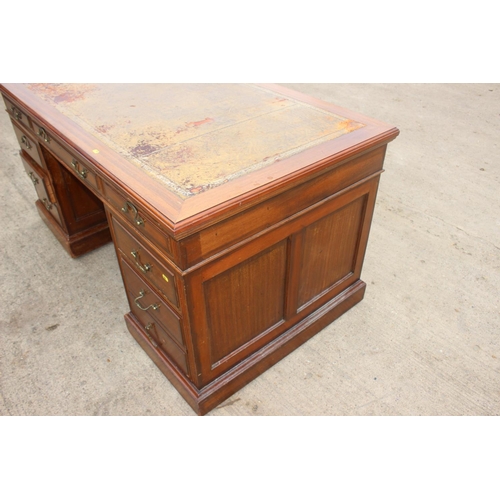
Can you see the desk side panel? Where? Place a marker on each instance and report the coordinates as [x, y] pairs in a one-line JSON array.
[[242, 301]]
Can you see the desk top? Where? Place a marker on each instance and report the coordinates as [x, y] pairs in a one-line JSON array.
[[190, 148], [195, 137]]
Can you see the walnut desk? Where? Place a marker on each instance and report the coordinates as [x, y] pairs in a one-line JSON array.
[[239, 213]]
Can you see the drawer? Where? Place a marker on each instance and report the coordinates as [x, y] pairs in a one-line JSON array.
[[145, 263], [28, 144], [42, 187], [133, 214], [161, 326], [160, 340], [16, 113], [74, 162], [145, 299]]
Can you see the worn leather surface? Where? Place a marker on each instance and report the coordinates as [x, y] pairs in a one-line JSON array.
[[192, 137]]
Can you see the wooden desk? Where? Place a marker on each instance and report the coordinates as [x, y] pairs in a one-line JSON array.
[[240, 213]]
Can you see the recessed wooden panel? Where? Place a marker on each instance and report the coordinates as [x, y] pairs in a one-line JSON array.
[[245, 301], [329, 250], [86, 203]]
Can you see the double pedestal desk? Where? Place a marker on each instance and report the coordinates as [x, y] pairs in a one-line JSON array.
[[240, 213]]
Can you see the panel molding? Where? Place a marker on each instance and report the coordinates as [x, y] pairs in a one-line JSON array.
[[232, 327], [329, 250]]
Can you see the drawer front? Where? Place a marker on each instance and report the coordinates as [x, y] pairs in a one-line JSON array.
[[28, 144], [42, 187], [160, 340], [145, 299], [145, 263], [134, 215], [163, 337], [16, 114], [74, 163]]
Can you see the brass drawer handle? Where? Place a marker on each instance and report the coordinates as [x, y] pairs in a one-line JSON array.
[[34, 180], [143, 267], [47, 203], [142, 293], [148, 327], [130, 206], [76, 168], [17, 114], [24, 140], [43, 134]]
